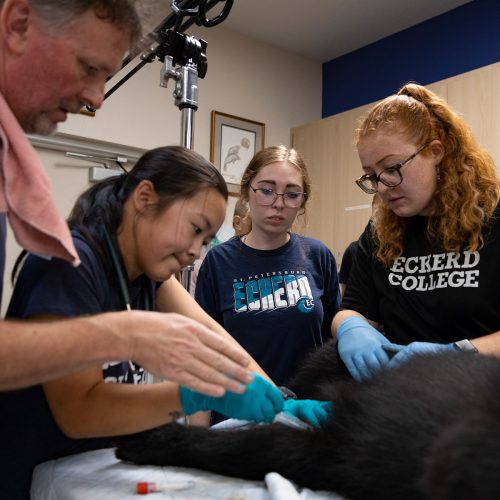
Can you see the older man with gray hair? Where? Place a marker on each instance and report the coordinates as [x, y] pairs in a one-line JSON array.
[[55, 57]]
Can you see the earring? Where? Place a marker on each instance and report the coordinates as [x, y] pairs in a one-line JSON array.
[[438, 173]]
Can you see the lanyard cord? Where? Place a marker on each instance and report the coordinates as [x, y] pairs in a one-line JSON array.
[[122, 283], [123, 286]]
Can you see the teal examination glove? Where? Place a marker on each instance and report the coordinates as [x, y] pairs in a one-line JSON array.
[[309, 410], [260, 402], [360, 347], [405, 352]]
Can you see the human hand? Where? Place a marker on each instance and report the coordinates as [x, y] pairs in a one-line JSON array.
[[309, 410], [260, 402], [181, 350], [360, 347], [405, 352]]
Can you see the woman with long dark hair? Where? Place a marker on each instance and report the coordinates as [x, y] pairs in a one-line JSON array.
[[133, 233]]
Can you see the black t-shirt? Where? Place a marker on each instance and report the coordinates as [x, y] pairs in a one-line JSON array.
[[428, 295], [347, 260]]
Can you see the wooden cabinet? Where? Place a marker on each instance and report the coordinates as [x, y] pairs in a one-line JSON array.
[[476, 96], [338, 210]]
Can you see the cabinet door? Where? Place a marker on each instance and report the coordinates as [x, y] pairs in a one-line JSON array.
[[475, 96], [338, 210]]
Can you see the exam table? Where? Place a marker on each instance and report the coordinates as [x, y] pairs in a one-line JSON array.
[[99, 475]]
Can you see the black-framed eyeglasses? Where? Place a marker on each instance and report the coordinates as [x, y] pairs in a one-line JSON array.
[[390, 176], [267, 196]]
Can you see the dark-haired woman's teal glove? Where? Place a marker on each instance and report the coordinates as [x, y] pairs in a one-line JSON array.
[[260, 402], [309, 410]]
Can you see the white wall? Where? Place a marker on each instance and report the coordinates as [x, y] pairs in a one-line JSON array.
[[245, 78]]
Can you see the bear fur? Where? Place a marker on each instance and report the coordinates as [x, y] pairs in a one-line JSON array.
[[429, 429]]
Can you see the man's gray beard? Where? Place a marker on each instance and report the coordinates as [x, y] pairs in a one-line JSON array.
[[40, 124]]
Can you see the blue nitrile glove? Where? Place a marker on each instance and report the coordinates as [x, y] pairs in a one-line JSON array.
[[405, 352], [360, 347], [260, 402], [309, 410]]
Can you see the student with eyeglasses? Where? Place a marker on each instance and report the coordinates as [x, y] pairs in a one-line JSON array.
[[427, 265], [274, 291]]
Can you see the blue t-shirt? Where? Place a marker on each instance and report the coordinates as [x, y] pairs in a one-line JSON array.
[[28, 433], [278, 304]]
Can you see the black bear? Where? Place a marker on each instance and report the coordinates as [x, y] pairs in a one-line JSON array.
[[429, 429]]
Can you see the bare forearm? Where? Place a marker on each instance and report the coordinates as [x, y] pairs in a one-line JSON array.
[[168, 345], [110, 409], [32, 352], [489, 344]]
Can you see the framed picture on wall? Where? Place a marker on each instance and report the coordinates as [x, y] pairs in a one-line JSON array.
[[233, 142]]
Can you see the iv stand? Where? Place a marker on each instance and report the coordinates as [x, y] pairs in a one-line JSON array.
[[185, 95], [184, 60], [186, 99], [190, 54]]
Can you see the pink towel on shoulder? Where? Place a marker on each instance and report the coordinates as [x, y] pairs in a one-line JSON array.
[[26, 195]]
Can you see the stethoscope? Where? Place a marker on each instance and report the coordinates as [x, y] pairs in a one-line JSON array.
[[120, 277], [125, 295]]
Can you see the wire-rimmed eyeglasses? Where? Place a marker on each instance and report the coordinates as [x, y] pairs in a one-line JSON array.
[[390, 176], [267, 196]]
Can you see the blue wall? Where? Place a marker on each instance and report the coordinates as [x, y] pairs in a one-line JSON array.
[[457, 41]]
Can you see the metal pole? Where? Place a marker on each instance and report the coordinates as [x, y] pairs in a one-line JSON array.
[[186, 99], [187, 127]]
